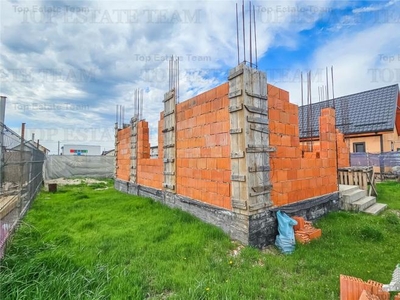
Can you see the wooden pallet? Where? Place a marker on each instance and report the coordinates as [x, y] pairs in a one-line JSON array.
[[7, 204]]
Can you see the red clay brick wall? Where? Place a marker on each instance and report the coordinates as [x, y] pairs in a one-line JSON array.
[[398, 115], [343, 151], [293, 176], [203, 147], [124, 153], [150, 170], [203, 167], [203, 150]]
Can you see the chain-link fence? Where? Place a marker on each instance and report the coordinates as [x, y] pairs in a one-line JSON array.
[[21, 178]]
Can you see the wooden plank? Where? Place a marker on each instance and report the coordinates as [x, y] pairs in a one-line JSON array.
[[259, 128], [235, 74], [257, 120], [365, 182], [239, 154], [259, 148], [256, 110], [234, 108], [239, 204], [241, 178], [259, 169], [351, 181], [235, 94], [258, 96]]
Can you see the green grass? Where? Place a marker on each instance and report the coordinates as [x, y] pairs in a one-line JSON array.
[[82, 243], [389, 193]]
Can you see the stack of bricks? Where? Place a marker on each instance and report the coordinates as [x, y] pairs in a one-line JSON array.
[[203, 148], [352, 288], [293, 176], [123, 156], [304, 232], [150, 171]]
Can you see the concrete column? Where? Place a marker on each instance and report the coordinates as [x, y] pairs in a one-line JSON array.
[[248, 107], [169, 132], [134, 140], [116, 149]]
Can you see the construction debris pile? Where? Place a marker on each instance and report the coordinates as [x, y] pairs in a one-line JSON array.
[[304, 232]]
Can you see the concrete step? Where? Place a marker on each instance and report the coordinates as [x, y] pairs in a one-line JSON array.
[[375, 209], [354, 196], [346, 189], [363, 203]]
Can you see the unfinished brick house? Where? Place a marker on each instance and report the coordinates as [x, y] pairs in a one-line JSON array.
[[231, 156]]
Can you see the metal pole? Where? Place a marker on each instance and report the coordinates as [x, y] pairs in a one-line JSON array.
[[333, 88], [21, 183], [2, 116], [255, 35], [58, 153], [251, 50], [237, 33], [244, 34]]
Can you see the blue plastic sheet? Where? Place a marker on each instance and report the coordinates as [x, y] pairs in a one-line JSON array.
[[285, 241]]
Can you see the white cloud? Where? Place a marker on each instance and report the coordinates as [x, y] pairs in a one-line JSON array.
[[95, 57], [362, 60]]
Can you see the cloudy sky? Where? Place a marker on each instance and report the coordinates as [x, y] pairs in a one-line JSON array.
[[65, 65]]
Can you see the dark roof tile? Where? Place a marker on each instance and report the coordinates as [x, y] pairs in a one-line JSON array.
[[369, 111]]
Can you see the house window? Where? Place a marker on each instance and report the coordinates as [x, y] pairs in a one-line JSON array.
[[359, 147]]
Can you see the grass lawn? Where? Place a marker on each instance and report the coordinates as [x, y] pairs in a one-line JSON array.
[[389, 193], [83, 243]]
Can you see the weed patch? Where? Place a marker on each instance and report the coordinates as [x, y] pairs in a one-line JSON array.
[[368, 233]]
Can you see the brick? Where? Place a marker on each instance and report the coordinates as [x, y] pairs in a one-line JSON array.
[[224, 189], [205, 152], [201, 163], [216, 152], [211, 163], [283, 95], [226, 150], [272, 91], [281, 175], [206, 174], [285, 140], [217, 175], [227, 176], [275, 139], [224, 163], [300, 223], [227, 203], [273, 114]]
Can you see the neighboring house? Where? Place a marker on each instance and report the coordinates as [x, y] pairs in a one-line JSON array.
[[154, 152], [109, 152], [32, 144], [370, 120]]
